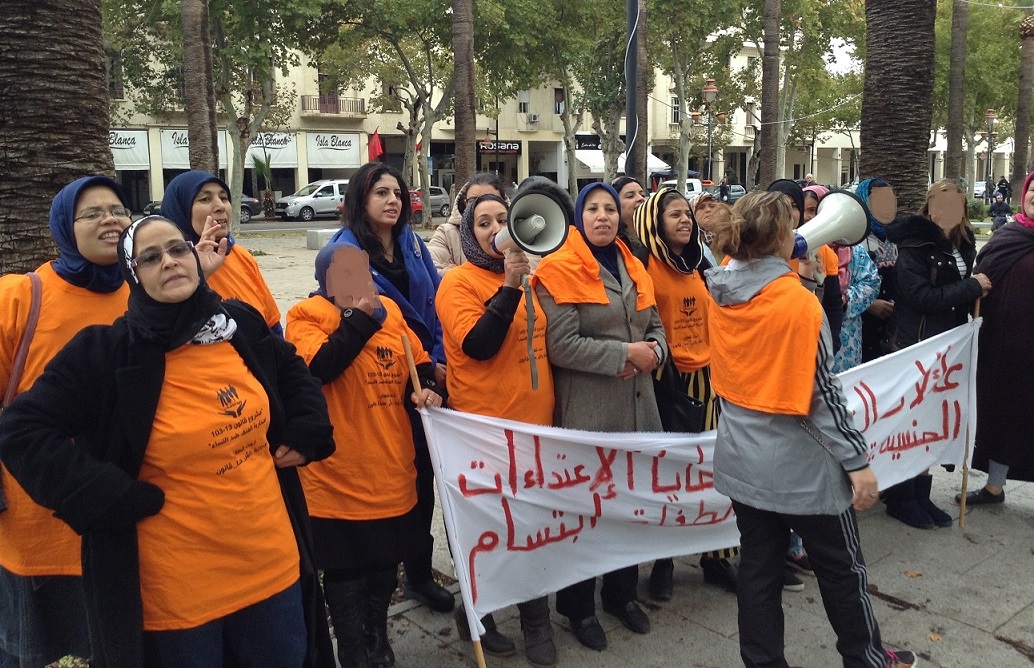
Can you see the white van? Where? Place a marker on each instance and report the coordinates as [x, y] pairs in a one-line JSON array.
[[319, 198], [693, 186]]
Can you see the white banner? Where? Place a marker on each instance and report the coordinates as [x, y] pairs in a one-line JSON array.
[[327, 149], [176, 149], [281, 147], [532, 509], [129, 149]]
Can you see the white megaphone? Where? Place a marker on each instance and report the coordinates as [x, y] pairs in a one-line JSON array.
[[536, 223], [841, 218]]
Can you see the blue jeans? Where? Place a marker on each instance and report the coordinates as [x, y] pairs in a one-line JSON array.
[[42, 618], [267, 634]]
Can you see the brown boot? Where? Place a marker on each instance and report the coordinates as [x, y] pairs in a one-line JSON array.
[[538, 632]]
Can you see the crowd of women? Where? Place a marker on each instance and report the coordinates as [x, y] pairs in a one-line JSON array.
[[188, 484]]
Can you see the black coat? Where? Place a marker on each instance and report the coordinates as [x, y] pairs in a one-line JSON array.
[[931, 295], [103, 392]]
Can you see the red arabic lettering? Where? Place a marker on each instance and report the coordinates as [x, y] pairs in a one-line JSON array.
[[486, 543]]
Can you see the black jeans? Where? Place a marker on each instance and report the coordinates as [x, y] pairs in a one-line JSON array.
[[578, 601], [833, 547], [418, 566]]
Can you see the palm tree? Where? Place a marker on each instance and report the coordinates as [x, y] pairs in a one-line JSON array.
[[956, 88], [54, 119], [463, 54], [1021, 157], [198, 87], [897, 98], [770, 93]]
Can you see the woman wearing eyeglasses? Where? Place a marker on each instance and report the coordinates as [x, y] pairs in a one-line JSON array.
[[168, 441], [195, 199]]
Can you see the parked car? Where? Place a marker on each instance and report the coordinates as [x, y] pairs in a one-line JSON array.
[[249, 207], [319, 198], [979, 189], [439, 202], [416, 207], [693, 186], [736, 191]]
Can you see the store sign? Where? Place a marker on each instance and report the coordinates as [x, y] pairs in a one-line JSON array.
[[129, 149], [486, 147], [588, 143], [281, 147], [333, 150], [176, 149]]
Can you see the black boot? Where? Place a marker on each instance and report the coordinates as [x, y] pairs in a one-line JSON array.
[[379, 588], [903, 506], [923, 484], [538, 632], [492, 641], [662, 580], [346, 604]]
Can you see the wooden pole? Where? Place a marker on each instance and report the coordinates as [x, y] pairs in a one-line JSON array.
[[479, 654], [965, 459], [414, 377]]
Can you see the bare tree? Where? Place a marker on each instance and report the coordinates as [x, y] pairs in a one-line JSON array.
[[463, 56], [1021, 156], [956, 88], [897, 102], [770, 92], [198, 87], [54, 119]]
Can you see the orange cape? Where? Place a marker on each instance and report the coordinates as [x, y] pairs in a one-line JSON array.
[[572, 275]]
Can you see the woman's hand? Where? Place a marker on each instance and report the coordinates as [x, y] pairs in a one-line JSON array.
[[640, 358], [866, 491], [210, 252], [985, 283], [285, 457], [427, 398], [440, 373], [515, 266], [809, 267], [881, 308]]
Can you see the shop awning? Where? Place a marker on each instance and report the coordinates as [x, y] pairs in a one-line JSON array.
[[592, 162]]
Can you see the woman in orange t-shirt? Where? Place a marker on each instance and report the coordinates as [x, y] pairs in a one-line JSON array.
[[169, 441], [481, 304], [363, 499]]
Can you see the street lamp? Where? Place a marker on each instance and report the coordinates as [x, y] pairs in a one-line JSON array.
[[990, 117], [710, 93]]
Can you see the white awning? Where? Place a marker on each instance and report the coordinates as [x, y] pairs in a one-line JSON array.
[[592, 162]]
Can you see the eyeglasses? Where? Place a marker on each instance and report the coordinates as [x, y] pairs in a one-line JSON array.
[[153, 258], [96, 215]]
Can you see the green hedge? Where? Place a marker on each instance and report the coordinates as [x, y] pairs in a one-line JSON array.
[[977, 210]]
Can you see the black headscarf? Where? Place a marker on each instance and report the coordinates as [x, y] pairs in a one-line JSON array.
[[796, 193], [170, 325], [472, 250]]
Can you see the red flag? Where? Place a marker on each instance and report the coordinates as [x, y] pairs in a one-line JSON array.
[[376, 148], [419, 145]]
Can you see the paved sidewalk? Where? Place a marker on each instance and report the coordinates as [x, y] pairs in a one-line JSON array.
[[959, 598]]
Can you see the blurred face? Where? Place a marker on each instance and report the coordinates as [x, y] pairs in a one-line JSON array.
[[811, 207], [97, 237], [164, 263], [947, 209], [212, 200], [600, 218], [631, 197], [1028, 200], [884, 204], [489, 219], [384, 202], [705, 211], [677, 225]]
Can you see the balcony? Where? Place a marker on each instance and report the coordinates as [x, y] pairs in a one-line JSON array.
[[344, 107]]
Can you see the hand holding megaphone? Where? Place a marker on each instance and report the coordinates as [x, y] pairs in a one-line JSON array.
[[516, 266], [841, 218]]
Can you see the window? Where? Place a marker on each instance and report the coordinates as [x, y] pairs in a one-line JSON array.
[[676, 115], [558, 100], [116, 89], [751, 118], [391, 103], [523, 102]]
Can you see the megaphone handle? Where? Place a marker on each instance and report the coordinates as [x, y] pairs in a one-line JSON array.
[[529, 306]]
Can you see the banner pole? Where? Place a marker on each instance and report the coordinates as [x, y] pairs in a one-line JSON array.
[[413, 375], [479, 654], [965, 460]]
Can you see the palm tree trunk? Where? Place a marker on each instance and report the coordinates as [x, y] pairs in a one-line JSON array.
[[199, 89], [53, 117], [770, 92], [1021, 156], [956, 88], [897, 100], [463, 55]]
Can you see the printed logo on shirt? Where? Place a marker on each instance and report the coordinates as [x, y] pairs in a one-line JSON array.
[[231, 402], [385, 357], [689, 306]]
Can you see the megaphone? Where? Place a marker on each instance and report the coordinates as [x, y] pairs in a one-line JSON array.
[[536, 223], [841, 218]]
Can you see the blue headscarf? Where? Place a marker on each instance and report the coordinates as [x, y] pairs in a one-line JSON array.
[[863, 191], [70, 265], [178, 202], [607, 255]]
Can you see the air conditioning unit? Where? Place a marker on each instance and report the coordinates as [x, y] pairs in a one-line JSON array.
[[533, 118]]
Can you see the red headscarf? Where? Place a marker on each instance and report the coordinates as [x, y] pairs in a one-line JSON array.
[[1022, 217]]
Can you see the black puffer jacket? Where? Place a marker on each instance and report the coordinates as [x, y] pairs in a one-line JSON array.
[[931, 296]]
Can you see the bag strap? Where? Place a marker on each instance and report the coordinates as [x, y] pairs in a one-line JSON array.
[[23, 346]]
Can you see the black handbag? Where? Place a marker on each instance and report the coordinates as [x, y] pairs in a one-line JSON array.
[[679, 411]]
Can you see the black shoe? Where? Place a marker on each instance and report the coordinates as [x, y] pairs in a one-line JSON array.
[[433, 595], [590, 633], [981, 497], [911, 513], [631, 615], [720, 572], [662, 581], [939, 517]]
